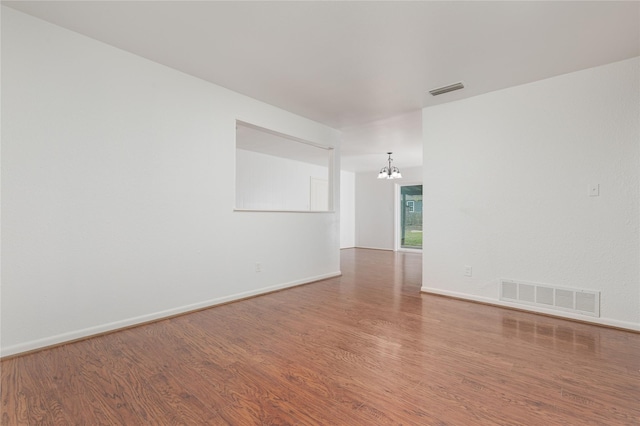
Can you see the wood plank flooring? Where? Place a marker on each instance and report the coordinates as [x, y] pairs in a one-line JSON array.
[[366, 348]]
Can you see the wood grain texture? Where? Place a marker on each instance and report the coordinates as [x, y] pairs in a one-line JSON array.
[[366, 348]]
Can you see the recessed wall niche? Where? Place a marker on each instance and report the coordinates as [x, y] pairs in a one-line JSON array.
[[278, 172]]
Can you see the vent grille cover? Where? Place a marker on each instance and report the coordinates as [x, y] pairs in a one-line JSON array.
[[447, 89], [585, 302]]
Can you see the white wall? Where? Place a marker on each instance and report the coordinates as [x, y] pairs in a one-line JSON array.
[[113, 209], [266, 182], [375, 204], [347, 209], [506, 179]]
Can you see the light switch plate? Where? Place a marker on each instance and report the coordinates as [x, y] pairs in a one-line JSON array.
[[594, 190]]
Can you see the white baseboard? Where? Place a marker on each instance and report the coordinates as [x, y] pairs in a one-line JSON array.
[[374, 248], [142, 319], [598, 321]]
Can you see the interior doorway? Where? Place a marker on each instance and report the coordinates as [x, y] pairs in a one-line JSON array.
[[319, 195], [409, 217]]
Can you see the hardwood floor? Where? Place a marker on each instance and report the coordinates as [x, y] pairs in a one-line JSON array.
[[363, 349]]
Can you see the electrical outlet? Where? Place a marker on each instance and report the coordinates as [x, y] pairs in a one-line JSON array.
[[468, 271], [258, 267]]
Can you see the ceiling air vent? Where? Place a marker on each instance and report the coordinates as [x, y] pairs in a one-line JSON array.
[[447, 89]]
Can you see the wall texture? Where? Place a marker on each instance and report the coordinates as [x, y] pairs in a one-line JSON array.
[[118, 192], [347, 209], [266, 182], [506, 188], [375, 204]]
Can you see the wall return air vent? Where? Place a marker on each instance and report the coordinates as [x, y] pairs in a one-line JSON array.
[[447, 89], [585, 302]]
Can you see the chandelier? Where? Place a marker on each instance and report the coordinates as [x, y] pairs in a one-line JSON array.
[[389, 172]]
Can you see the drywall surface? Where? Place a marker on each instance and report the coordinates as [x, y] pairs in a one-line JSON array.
[[118, 192], [375, 206], [507, 179], [347, 209], [267, 182]]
